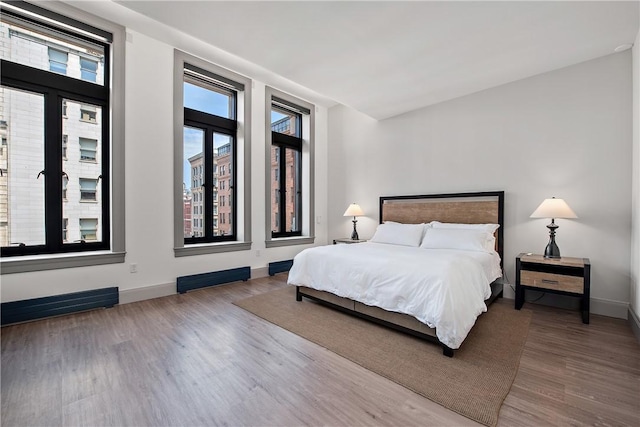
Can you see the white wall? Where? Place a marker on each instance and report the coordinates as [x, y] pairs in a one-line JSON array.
[[149, 175], [566, 133], [635, 247]]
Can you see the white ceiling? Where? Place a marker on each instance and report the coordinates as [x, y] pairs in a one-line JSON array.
[[388, 58]]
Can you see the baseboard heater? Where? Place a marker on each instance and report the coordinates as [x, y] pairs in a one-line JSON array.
[[197, 281], [38, 308], [280, 266]]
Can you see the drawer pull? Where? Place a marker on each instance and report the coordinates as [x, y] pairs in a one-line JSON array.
[[551, 282]]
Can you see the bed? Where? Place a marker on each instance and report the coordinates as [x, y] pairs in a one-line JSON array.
[[429, 290]]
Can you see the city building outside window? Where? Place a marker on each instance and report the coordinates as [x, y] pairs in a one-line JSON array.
[[55, 87]]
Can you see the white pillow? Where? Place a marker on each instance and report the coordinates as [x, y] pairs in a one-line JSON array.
[[491, 228], [395, 233], [458, 238]]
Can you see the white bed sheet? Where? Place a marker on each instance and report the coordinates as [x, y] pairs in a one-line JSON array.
[[443, 288]]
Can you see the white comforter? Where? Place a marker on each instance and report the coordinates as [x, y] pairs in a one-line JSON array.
[[443, 288]]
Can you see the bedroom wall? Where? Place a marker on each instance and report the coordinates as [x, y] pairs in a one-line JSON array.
[[149, 175], [566, 133], [635, 227]]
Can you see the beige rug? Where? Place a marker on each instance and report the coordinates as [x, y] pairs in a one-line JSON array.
[[473, 383]]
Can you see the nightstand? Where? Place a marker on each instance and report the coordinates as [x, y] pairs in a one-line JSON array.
[[565, 276], [348, 240]]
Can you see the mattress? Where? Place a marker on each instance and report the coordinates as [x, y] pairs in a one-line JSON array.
[[444, 288]]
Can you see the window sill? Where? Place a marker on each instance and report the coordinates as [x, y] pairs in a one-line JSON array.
[[25, 264], [211, 248], [289, 241]]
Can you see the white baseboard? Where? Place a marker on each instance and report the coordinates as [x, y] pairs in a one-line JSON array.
[[609, 308], [166, 289], [147, 292], [257, 273], [634, 322]]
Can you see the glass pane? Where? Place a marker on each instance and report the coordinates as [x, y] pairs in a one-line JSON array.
[[222, 159], [82, 167], [275, 189], [292, 188], [192, 180], [21, 161], [30, 45], [286, 122], [207, 99]]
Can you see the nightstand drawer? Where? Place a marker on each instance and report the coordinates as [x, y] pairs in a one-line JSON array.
[[558, 282]]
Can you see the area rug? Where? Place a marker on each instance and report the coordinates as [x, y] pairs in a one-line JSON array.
[[473, 383]]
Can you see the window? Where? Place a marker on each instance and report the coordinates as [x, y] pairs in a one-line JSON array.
[[286, 146], [88, 149], [88, 229], [88, 190], [88, 70], [41, 94], [88, 114], [209, 140], [212, 108], [65, 144], [289, 161], [58, 61]]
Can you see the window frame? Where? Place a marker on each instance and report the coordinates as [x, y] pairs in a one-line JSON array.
[[242, 170], [101, 28], [307, 111]]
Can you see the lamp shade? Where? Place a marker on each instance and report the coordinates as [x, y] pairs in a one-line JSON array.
[[353, 210], [554, 208]]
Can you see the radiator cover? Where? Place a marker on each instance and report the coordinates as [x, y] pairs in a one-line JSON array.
[[197, 281], [38, 308]]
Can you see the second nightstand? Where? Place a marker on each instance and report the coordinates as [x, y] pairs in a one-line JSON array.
[[566, 276]]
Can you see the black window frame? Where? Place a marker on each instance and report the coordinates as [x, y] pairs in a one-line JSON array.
[[284, 142], [55, 88], [210, 124]]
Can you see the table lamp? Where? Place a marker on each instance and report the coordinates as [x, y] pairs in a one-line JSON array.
[[553, 208], [354, 210]]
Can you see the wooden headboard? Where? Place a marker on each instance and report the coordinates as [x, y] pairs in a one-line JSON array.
[[468, 208]]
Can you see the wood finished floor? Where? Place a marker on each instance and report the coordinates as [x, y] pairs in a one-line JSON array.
[[197, 359]]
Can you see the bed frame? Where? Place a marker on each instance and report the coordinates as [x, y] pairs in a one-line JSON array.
[[470, 208]]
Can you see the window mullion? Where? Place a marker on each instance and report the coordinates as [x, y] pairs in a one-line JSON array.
[[283, 188], [208, 184], [53, 170]]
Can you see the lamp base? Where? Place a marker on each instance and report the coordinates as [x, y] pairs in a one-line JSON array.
[[552, 250], [354, 234]]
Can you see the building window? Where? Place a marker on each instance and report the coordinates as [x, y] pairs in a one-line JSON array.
[[65, 145], [88, 190], [58, 61], [88, 148], [289, 169], [44, 66], [88, 229], [88, 70], [88, 114]]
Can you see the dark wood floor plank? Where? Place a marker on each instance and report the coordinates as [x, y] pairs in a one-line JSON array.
[[196, 359]]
